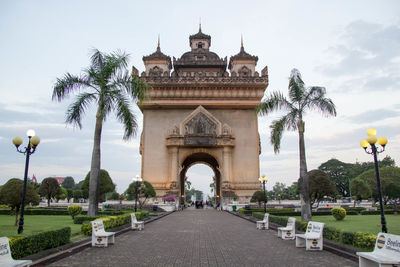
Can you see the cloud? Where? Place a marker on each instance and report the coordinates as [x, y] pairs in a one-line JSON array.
[[372, 116], [367, 57]]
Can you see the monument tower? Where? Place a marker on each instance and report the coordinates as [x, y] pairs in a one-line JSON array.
[[198, 112]]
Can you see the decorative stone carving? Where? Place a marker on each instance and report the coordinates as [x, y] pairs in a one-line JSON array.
[[226, 130], [244, 72], [155, 72], [264, 72], [174, 130], [200, 125]]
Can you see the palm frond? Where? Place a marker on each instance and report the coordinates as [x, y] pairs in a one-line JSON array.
[[296, 87], [68, 84], [126, 116], [139, 89], [115, 64], [324, 105], [106, 102], [77, 109], [97, 59], [274, 102], [278, 126]]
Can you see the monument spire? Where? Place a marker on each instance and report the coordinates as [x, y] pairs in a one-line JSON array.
[[199, 24], [241, 43], [158, 42]]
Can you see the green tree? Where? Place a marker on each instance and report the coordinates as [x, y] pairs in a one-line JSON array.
[[392, 191], [360, 190], [11, 194], [388, 175], [292, 191], [340, 174], [343, 173], [320, 186], [62, 195], [279, 189], [106, 184], [49, 189], [77, 194], [145, 191], [212, 187], [258, 196], [300, 100], [68, 183], [70, 194], [114, 196], [111, 87]]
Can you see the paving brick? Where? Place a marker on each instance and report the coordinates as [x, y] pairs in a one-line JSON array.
[[202, 238]]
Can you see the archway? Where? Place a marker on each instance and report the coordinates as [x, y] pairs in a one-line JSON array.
[[206, 159]]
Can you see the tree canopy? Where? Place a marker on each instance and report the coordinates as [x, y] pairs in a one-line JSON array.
[[258, 196], [388, 177], [68, 183], [144, 191], [11, 194], [49, 188], [106, 184], [320, 186], [343, 173]]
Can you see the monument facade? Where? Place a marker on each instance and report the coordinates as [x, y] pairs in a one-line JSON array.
[[198, 112]]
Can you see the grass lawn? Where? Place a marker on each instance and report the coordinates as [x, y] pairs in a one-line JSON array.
[[361, 223], [34, 224]]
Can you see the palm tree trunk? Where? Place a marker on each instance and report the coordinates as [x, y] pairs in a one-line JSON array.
[[94, 180], [304, 184]]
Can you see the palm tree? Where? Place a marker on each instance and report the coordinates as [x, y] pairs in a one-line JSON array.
[[108, 84], [300, 100]]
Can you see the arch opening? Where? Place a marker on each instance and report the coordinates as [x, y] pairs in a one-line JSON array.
[[200, 158]]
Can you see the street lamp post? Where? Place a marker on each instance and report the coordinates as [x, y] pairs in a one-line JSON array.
[[374, 150], [137, 181], [264, 180], [33, 142]]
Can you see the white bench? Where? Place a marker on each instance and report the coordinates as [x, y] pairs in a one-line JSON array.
[[264, 224], [135, 224], [288, 232], [312, 239], [5, 255], [386, 252], [101, 238]]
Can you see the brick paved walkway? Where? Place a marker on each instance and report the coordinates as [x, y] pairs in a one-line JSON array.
[[202, 238]]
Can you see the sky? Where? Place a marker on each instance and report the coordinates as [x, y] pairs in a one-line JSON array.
[[350, 47]]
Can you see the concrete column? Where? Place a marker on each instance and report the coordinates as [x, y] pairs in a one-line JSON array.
[[173, 151], [227, 164]]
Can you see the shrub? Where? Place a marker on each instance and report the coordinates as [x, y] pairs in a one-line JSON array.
[[4, 207], [347, 238], [375, 212], [82, 218], [355, 209], [74, 210], [338, 213], [332, 233], [364, 240], [24, 246]]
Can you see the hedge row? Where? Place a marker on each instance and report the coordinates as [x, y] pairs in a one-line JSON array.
[[114, 221], [25, 246], [84, 218], [356, 239], [375, 212], [56, 212], [269, 210]]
